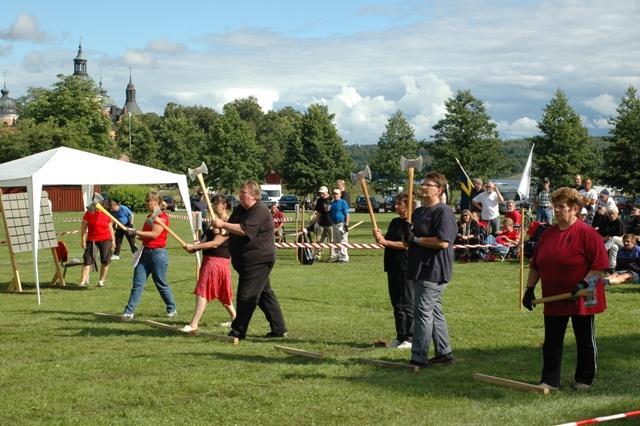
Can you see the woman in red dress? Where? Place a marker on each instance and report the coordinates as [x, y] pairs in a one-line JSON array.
[[214, 281]]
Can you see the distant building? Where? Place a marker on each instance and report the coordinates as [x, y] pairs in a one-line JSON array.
[[130, 105], [8, 108]]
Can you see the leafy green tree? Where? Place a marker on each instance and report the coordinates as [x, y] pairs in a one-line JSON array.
[[180, 143], [249, 110], [318, 155], [145, 149], [396, 141], [466, 132], [623, 156], [72, 103], [275, 129], [232, 153], [564, 149]]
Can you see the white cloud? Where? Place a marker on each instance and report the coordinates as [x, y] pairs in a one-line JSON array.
[[5, 49], [34, 62], [25, 28], [602, 123], [266, 97], [163, 45], [521, 128], [138, 57], [604, 104]]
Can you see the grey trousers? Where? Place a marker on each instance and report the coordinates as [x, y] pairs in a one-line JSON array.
[[429, 322]]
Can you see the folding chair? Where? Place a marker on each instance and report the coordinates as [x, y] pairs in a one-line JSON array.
[[63, 256]]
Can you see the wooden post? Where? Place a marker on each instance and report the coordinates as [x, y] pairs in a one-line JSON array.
[[57, 277], [15, 284], [514, 384]]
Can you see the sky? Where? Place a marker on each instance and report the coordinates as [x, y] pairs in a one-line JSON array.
[[364, 59]]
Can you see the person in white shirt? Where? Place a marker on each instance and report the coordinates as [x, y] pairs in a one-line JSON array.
[[488, 202], [589, 199]]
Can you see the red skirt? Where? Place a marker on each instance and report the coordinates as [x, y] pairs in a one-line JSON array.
[[215, 280]]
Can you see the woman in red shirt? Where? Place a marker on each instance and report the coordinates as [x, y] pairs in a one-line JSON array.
[[153, 260], [96, 231], [567, 254]]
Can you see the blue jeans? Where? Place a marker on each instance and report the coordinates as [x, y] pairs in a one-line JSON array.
[[545, 214], [429, 321], [153, 262]]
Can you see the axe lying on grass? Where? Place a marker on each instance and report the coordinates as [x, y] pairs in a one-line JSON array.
[[586, 289]]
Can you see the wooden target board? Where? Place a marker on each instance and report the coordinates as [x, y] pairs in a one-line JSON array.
[[16, 215]]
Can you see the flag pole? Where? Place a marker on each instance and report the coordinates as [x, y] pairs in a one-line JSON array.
[[523, 190]]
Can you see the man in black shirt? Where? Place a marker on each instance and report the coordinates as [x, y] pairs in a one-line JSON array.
[[253, 255], [320, 220]]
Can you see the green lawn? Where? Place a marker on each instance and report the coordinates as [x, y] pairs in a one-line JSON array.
[[62, 366]]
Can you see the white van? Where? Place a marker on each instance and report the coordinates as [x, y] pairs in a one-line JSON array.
[[274, 191]]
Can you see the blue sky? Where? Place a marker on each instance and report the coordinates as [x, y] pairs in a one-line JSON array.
[[364, 59]]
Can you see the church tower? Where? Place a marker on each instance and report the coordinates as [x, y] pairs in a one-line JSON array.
[[130, 105], [80, 63]]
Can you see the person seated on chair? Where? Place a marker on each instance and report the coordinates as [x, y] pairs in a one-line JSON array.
[[506, 238], [600, 219], [513, 214], [468, 229], [612, 234], [628, 263], [278, 223]]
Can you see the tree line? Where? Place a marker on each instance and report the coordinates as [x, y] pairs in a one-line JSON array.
[[243, 142]]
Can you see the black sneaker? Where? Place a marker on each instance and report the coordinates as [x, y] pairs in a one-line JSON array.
[[235, 334], [418, 363], [274, 335], [442, 359]]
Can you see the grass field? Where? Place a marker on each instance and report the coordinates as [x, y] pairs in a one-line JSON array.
[[62, 366]]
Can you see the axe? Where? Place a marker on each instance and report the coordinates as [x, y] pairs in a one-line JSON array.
[[97, 199], [197, 174], [154, 219], [362, 177], [410, 166], [585, 289]]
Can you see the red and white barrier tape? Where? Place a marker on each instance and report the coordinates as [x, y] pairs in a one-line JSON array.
[[603, 419], [58, 234], [206, 219], [330, 245]]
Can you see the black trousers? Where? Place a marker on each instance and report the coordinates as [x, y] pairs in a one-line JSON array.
[[587, 353], [401, 295], [254, 289], [132, 241]]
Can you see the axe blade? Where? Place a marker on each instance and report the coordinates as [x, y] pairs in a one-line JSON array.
[[97, 198], [406, 164], [151, 219], [201, 169]]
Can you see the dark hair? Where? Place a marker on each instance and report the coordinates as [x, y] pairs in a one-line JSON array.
[[403, 197], [221, 199], [438, 178]]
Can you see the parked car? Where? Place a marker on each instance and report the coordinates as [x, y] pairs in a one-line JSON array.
[[264, 197], [288, 202], [361, 204], [388, 203], [171, 204]]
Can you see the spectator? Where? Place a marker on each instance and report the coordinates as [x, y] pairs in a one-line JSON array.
[[589, 199], [606, 200], [344, 193], [513, 214], [578, 183], [600, 220], [468, 229], [545, 210], [401, 290], [568, 253], [124, 215], [628, 263], [612, 235], [584, 214], [339, 214], [477, 189], [488, 201], [321, 222], [278, 223], [633, 227]]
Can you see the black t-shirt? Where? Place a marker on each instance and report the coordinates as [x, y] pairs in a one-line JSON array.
[[323, 205], [257, 246], [221, 251], [429, 264], [613, 228], [394, 259], [345, 196], [633, 227]]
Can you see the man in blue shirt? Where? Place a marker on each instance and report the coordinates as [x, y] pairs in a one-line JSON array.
[[125, 217], [339, 214]]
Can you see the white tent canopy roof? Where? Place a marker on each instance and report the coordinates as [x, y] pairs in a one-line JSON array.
[[67, 166]]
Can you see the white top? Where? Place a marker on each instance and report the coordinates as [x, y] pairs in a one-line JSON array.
[[489, 201], [609, 203], [592, 194]]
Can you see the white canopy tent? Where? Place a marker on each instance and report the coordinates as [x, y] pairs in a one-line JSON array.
[[66, 166]]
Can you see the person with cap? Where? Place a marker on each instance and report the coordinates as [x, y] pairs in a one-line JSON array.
[[605, 200], [320, 221], [589, 199], [545, 210], [339, 214]]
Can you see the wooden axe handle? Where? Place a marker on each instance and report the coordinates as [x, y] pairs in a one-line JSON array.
[[363, 183], [564, 296], [410, 195], [212, 215], [171, 231], [116, 221]]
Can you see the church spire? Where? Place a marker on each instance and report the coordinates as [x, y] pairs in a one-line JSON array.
[[131, 106], [80, 62]]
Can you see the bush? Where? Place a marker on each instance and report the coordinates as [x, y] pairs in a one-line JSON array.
[[131, 196]]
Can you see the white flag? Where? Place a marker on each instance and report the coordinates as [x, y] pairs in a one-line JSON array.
[[525, 182]]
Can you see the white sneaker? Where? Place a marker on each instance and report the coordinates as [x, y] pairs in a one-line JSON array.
[[127, 317], [404, 345], [101, 283], [172, 314], [225, 324], [188, 329], [395, 343], [83, 285], [115, 257]]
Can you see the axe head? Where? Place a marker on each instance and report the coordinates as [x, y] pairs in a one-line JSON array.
[[362, 174], [91, 207], [151, 219], [590, 285], [202, 169], [97, 198], [406, 164]]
